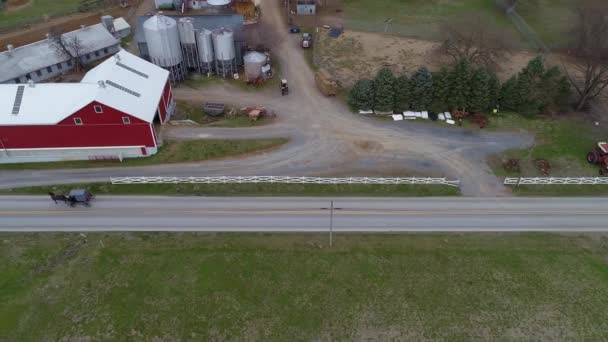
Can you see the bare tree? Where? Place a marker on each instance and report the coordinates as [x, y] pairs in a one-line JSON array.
[[589, 76], [67, 45], [475, 40]]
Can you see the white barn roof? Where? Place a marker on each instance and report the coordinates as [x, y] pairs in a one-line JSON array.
[[130, 85]]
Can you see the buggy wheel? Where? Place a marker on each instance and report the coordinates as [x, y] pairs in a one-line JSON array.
[[593, 157]]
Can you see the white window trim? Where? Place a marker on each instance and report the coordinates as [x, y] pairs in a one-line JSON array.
[[126, 120], [100, 111], [78, 121]]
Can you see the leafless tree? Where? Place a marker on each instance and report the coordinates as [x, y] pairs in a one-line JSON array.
[[474, 39], [589, 75], [67, 45]]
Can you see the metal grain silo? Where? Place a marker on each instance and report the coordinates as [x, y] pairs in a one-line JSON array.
[[162, 39], [187, 37], [205, 50], [223, 46], [254, 61]]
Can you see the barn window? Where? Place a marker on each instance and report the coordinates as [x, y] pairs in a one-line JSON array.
[[96, 53], [69, 62], [78, 121], [98, 109], [105, 50], [17, 80], [126, 120], [59, 67], [49, 69], [28, 77], [39, 73]]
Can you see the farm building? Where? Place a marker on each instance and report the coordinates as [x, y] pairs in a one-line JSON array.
[[306, 7], [44, 59], [114, 112]]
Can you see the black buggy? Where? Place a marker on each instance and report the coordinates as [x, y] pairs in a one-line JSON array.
[[74, 197]]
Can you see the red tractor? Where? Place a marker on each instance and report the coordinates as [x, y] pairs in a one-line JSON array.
[[599, 156]]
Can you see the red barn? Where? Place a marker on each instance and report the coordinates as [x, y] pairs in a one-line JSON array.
[[111, 113]]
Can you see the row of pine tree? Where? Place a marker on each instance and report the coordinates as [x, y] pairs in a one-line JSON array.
[[463, 86]]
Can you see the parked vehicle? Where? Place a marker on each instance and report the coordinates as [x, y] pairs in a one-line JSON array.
[[599, 156], [294, 29], [284, 87], [306, 40]]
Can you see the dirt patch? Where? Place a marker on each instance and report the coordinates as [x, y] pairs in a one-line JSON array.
[[15, 5], [357, 54], [369, 146]]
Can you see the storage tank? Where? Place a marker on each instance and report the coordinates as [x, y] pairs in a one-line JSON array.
[[185, 27], [187, 37], [254, 61], [205, 51], [223, 46], [162, 39]]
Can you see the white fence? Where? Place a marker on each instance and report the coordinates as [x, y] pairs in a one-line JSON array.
[[557, 181], [282, 180]]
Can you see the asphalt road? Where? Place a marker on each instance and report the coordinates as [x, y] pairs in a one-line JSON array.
[[173, 214]]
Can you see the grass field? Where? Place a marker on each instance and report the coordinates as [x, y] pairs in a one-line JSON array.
[[551, 19], [250, 190], [36, 9], [422, 18], [170, 152], [146, 287], [415, 18], [564, 142]]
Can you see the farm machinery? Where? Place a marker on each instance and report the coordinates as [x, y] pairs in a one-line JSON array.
[[599, 156]]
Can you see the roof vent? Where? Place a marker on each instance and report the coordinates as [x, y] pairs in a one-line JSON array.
[[101, 83], [117, 58], [9, 49], [31, 84]]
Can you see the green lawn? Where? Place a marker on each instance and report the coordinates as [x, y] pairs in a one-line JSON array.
[[36, 10], [269, 287], [189, 111], [250, 189], [170, 152], [563, 141], [416, 18], [552, 20]]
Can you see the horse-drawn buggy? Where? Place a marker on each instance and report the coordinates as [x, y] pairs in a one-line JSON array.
[[74, 197]]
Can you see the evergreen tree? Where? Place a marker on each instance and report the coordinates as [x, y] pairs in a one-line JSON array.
[[361, 96], [422, 89], [459, 81], [441, 88], [384, 86], [493, 91], [479, 98], [402, 94], [509, 96]]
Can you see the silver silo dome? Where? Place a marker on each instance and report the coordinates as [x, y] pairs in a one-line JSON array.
[[205, 46], [223, 44], [162, 38]]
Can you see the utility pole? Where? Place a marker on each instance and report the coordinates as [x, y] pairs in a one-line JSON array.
[[331, 222]]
